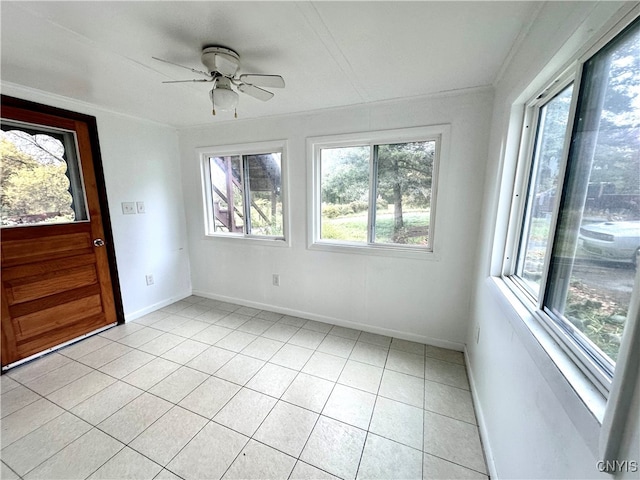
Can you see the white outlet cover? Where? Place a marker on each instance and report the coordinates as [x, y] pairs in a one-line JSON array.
[[128, 208], [140, 207]]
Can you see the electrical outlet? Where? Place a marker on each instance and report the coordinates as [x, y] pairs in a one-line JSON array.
[[149, 279], [128, 208], [140, 207], [276, 280]]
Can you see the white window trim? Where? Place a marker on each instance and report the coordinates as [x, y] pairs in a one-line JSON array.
[[598, 419], [440, 133], [203, 153], [523, 172], [592, 370]]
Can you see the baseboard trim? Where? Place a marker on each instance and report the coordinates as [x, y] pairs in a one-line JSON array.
[[436, 342], [482, 426], [128, 317]]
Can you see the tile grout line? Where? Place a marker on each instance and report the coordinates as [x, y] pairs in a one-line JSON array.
[[424, 427], [368, 431], [346, 359], [458, 464], [7, 465], [319, 414]]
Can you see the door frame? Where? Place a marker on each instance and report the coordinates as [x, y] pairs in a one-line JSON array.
[[92, 126]]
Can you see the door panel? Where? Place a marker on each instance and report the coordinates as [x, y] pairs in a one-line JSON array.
[[31, 288], [19, 249], [56, 282]]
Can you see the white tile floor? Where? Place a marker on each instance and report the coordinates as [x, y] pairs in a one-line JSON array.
[[206, 389]]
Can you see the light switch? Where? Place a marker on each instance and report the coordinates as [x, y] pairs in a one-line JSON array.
[[140, 207], [128, 208]]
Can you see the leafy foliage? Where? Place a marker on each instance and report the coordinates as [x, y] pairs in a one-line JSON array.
[[345, 175], [34, 183], [404, 177], [616, 159]]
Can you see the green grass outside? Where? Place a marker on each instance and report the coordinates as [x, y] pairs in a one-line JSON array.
[[539, 230], [354, 227]]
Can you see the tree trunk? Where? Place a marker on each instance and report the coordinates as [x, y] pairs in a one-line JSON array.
[[398, 221]]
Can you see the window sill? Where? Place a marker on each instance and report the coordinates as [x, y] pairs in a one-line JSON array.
[[376, 250], [583, 403], [249, 240]]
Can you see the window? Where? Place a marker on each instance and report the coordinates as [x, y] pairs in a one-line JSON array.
[[542, 197], [376, 189], [579, 230], [243, 190], [41, 181]]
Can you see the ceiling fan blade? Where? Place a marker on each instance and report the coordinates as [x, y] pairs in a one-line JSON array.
[[194, 80], [225, 66], [255, 92], [273, 81], [200, 72]]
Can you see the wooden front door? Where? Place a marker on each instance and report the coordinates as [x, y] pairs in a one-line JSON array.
[[57, 267]]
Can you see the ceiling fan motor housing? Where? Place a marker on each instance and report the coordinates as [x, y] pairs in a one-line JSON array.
[[222, 60]]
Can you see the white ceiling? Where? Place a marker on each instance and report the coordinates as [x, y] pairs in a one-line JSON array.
[[330, 53]]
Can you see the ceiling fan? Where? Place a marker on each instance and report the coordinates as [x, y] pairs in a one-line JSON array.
[[222, 65]]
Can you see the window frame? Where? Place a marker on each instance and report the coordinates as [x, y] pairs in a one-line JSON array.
[[598, 416], [438, 133], [596, 374], [523, 175], [241, 150], [74, 173]]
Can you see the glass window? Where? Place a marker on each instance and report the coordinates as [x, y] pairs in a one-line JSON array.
[[227, 191], [580, 233], [403, 192], [344, 189], [543, 192], [264, 179], [598, 233], [40, 181], [244, 193], [377, 193]]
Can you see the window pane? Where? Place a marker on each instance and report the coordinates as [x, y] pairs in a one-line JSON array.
[[403, 203], [226, 191], [264, 177], [543, 192], [40, 177], [592, 269], [344, 190]]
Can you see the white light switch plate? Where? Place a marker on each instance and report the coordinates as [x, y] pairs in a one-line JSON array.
[[128, 208], [140, 207]]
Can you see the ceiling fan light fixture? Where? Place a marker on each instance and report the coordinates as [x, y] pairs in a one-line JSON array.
[[222, 96], [221, 67]]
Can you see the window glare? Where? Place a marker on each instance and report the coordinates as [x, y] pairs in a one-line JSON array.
[[543, 189], [592, 272], [579, 239]]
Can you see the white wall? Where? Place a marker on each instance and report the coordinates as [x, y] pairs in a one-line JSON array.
[[140, 163], [425, 300], [530, 417]]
